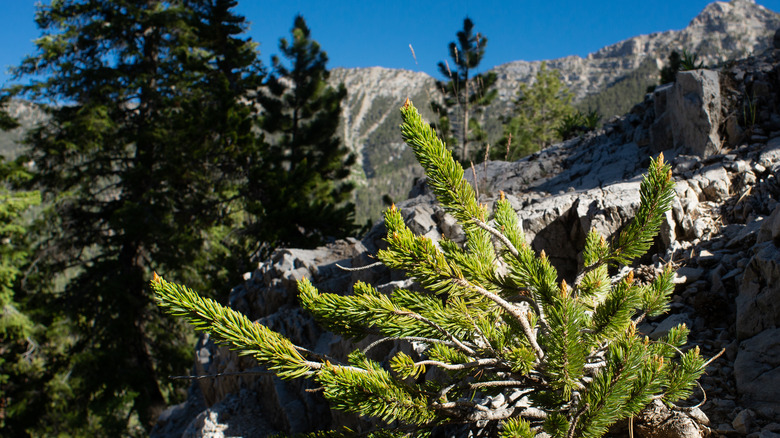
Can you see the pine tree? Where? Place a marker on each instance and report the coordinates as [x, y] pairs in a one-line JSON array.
[[136, 160], [299, 189], [492, 318], [464, 93], [669, 72], [539, 112], [225, 125]]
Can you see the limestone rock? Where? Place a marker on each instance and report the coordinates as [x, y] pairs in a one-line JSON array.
[[715, 183], [744, 421], [658, 421], [770, 228], [669, 323], [691, 116], [238, 415], [758, 302], [757, 373]]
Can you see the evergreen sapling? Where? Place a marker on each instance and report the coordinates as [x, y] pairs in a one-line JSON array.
[[493, 321]]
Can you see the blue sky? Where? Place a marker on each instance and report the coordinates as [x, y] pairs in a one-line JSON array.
[[364, 33]]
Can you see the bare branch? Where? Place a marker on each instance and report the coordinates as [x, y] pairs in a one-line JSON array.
[[573, 425], [519, 312], [459, 366], [440, 329], [411, 339], [498, 383], [359, 268]]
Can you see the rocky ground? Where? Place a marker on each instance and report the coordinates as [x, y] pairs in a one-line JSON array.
[[721, 133]]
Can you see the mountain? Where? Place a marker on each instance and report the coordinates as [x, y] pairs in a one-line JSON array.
[[721, 32], [28, 115], [610, 80], [369, 127]]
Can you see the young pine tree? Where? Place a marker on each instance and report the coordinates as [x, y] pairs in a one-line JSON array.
[[299, 191], [465, 94], [493, 318], [540, 110]]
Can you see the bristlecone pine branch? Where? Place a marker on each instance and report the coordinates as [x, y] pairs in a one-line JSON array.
[[572, 351]]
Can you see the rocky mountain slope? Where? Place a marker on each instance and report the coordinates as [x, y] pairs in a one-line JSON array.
[[28, 115], [369, 126], [719, 129], [614, 77], [722, 31]]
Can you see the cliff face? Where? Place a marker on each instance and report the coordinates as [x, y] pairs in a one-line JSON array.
[[369, 127], [28, 115], [721, 32], [719, 129]]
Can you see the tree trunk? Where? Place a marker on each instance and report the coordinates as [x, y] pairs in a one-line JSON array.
[[464, 150]]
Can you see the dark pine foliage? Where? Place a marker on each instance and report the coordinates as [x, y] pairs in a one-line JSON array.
[[299, 194], [669, 72]]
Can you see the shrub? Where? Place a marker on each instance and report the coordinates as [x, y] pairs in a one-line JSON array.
[[690, 61], [578, 123], [510, 344]]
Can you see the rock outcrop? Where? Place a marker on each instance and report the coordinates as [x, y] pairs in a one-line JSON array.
[[723, 235], [689, 114]]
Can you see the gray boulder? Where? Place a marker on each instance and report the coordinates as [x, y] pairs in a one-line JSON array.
[[757, 373], [688, 114], [758, 301]]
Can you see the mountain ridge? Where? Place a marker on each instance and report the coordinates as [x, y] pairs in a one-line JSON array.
[[615, 76], [722, 31]]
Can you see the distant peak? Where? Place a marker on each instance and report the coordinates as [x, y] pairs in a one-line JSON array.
[[717, 12]]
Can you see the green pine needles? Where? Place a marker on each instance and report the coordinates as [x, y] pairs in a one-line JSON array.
[[498, 338]]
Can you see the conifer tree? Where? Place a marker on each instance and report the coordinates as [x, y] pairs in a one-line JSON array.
[[299, 190], [136, 160], [540, 110], [493, 318], [669, 72], [221, 116], [465, 94]]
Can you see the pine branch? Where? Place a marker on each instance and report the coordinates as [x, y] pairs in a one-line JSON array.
[[227, 326], [445, 175], [352, 315], [656, 194], [444, 333], [505, 240], [374, 393]]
